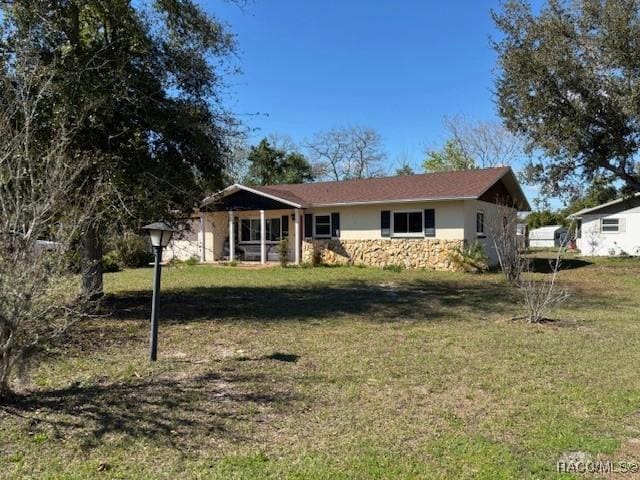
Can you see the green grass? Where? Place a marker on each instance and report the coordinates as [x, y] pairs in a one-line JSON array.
[[335, 373]]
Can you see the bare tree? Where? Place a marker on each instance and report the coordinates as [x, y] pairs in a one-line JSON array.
[[488, 143], [347, 153], [502, 227], [236, 162], [538, 295], [43, 209]]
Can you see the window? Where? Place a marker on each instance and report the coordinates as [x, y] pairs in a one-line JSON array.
[[323, 226], [273, 229], [407, 223], [250, 229], [610, 225], [480, 223]]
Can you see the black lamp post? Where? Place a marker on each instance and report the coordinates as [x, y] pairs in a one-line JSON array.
[[160, 234]]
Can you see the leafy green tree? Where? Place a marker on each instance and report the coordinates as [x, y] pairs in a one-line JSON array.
[[296, 169], [269, 165], [543, 218], [599, 192], [452, 157], [568, 82], [145, 78], [265, 163]]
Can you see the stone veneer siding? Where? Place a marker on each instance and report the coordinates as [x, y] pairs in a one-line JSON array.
[[427, 253]]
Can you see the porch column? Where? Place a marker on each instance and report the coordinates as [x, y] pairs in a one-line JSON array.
[[296, 237], [203, 252], [263, 238], [232, 238]]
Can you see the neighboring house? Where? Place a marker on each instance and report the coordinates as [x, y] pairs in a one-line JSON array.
[[549, 236], [412, 221], [609, 229]]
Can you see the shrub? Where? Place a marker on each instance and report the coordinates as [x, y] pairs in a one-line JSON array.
[[131, 250], [394, 268], [470, 259], [283, 252], [110, 263], [192, 260], [174, 262], [316, 257]]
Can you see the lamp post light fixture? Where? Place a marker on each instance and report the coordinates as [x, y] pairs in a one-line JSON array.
[[160, 234]]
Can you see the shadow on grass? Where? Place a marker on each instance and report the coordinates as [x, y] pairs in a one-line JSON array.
[[545, 265], [426, 300], [185, 413]]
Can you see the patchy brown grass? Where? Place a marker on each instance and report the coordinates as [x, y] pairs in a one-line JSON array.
[[334, 373]]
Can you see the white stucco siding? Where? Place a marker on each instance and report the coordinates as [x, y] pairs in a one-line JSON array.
[[596, 242], [362, 222], [491, 222]]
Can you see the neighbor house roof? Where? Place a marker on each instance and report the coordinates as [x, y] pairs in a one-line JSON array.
[[468, 184], [584, 211]]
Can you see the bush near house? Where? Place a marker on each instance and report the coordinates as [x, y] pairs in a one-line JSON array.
[[127, 251]]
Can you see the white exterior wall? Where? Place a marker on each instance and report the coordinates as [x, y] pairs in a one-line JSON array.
[[490, 210], [455, 220], [595, 242], [362, 222]]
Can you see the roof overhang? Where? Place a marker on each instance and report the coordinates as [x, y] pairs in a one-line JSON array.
[[236, 187], [585, 211], [383, 202]]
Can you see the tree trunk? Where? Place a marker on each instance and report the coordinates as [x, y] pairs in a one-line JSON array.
[[92, 263]]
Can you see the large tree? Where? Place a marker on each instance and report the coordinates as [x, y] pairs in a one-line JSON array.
[[145, 78], [569, 82], [269, 165]]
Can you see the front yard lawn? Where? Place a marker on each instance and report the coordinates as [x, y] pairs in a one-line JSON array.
[[335, 373]]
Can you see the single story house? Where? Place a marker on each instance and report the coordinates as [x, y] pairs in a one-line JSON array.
[[413, 221], [549, 236], [612, 228]]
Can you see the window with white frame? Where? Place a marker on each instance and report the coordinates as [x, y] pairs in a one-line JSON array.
[[250, 230], [322, 226], [610, 225], [407, 223], [480, 223]]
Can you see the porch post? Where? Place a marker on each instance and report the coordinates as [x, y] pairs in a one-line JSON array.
[[203, 253], [232, 238], [263, 238], [296, 247]]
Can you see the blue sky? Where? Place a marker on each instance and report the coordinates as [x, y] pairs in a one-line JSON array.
[[396, 66]]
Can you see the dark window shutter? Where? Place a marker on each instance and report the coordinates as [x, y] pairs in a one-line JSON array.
[[335, 224], [429, 222], [285, 226], [308, 225], [385, 223]]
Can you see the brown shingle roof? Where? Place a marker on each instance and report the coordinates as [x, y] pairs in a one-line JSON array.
[[429, 186]]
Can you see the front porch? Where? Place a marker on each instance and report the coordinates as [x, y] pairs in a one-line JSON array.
[[248, 226]]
